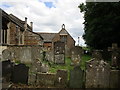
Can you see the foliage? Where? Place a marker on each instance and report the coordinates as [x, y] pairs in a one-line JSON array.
[[102, 21]]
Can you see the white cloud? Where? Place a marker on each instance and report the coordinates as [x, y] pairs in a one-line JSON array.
[[49, 19]]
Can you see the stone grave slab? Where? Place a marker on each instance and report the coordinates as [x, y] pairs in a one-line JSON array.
[[7, 67], [76, 78], [61, 78], [20, 74], [115, 79], [44, 68], [59, 52], [59, 47], [97, 72], [60, 59]]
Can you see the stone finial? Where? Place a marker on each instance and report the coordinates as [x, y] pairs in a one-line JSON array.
[[63, 26]]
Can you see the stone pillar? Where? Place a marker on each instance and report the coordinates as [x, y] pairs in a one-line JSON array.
[[8, 33], [25, 28]]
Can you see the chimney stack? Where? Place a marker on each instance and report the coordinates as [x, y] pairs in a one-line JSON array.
[[25, 19], [31, 24], [25, 23]]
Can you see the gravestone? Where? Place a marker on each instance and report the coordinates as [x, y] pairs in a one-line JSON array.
[[6, 73], [44, 68], [6, 54], [76, 78], [49, 56], [115, 79], [59, 52], [7, 67], [97, 72], [20, 74], [32, 78], [115, 55], [76, 53], [61, 78]]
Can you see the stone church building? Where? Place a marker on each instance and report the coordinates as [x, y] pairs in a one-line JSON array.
[[62, 35], [14, 31]]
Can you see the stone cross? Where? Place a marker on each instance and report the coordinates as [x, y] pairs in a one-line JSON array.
[[115, 55]]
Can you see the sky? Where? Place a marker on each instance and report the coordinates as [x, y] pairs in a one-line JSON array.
[[49, 15]]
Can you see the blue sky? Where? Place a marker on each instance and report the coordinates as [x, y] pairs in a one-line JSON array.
[[49, 4]]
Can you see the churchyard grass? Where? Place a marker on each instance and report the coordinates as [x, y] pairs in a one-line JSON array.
[[84, 59], [67, 66]]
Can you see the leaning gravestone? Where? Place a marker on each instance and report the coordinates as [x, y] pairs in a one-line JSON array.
[[59, 52], [6, 54], [61, 78], [76, 78], [97, 72], [115, 55], [76, 53], [20, 74]]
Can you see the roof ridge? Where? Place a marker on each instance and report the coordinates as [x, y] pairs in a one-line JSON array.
[[16, 18]]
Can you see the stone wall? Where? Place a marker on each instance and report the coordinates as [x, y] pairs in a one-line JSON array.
[[23, 53]]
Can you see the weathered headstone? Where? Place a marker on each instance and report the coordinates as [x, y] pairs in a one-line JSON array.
[[59, 52], [44, 68], [7, 67], [97, 72], [115, 55], [6, 54], [76, 78], [76, 53], [6, 73], [61, 78], [49, 56], [20, 74], [115, 79]]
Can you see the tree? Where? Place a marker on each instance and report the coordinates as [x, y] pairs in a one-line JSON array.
[[102, 23]]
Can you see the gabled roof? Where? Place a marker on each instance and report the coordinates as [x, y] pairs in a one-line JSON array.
[[63, 32], [48, 37], [17, 21]]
